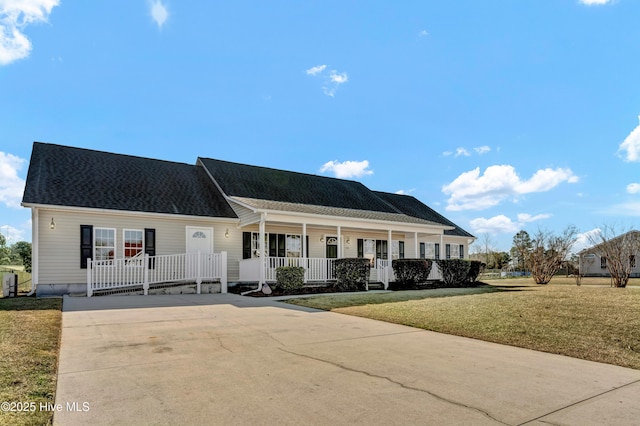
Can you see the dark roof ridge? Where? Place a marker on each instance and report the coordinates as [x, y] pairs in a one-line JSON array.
[[281, 170], [99, 151]]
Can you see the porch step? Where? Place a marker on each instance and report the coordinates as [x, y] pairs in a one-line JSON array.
[[376, 285]]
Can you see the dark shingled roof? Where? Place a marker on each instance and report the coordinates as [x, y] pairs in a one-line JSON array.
[[411, 206], [66, 176], [241, 180]]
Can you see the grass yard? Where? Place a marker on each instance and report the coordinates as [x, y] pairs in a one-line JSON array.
[[591, 322], [29, 345]]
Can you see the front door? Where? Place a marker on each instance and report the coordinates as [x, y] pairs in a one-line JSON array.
[[331, 253], [199, 240]]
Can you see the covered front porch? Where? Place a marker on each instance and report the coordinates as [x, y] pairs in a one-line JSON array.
[[316, 244]]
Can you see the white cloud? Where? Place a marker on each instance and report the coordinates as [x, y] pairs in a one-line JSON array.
[[405, 191], [462, 151], [583, 240], [316, 70], [629, 149], [501, 224], [332, 80], [15, 15], [633, 188], [347, 169], [11, 234], [423, 33], [159, 13], [595, 2], [11, 185], [471, 191], [482, 149]]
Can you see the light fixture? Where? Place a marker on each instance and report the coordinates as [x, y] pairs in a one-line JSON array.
[[348, 240], [322, 239], [52, 225], [226, 233]]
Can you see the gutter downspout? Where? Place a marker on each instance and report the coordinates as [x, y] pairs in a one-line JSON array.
[[262, 257], [34, 250]]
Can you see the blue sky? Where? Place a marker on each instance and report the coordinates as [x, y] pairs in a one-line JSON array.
[[502, 115]]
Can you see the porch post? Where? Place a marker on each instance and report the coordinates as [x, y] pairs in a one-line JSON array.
[[389, 258], [415, 248], [304, 250], [263, 258], [339, 242]]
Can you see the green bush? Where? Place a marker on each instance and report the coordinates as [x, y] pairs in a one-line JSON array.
[[352, 274], [475, 268], [455, 272], [410, 272], [289, 278]]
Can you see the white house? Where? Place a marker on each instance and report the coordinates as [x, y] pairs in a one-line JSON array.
[[103, 221], [593, 264]]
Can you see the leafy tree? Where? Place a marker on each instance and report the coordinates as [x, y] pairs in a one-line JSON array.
[[521, 248], [22, 249], [619, 251], [5, 252], [548, 252]]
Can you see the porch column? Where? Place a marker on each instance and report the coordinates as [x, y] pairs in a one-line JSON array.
[[35, 248], [304, 240], [389, 257], [263, 258], [339, 243], [415, 248]]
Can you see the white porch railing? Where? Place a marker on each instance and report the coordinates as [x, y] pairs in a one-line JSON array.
[[143, 271], [315, 269]]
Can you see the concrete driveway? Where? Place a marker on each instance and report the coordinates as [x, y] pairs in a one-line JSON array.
[[227, 359]]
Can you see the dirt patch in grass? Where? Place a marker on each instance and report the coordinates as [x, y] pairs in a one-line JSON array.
[[29, 347], [594, 323]]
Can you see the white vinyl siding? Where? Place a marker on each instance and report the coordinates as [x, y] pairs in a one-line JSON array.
[[59, 248]]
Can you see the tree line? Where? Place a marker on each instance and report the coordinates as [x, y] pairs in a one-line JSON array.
[[15, 254], [544, 253]]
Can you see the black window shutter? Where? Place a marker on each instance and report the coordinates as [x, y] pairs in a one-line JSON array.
[[401, 249], [447, 249], [461, 251], [86, 244], [273, 245], [246, 245], [307, 247], [150, 245], [437, 251], [422, 251], [282, 241], [360, 247]]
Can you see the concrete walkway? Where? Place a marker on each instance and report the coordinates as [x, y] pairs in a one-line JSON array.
[[227, 359]]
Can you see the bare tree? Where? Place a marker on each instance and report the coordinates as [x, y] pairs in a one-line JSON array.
[[619, 252], [548, 251]]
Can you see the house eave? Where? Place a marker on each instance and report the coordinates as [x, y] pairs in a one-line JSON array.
[[125, 212]]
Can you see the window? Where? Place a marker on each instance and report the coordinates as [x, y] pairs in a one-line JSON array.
[[632, 260], [104, 244], [275, 245], [133, 241], [422, 251], [603, 262], [397, 249], [461, 251]]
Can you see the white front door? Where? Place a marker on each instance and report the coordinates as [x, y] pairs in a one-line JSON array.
[[199, 240]]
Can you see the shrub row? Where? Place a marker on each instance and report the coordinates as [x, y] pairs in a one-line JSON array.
[[459, 272]]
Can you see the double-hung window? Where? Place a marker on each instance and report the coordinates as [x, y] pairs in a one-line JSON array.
[[104, 244], [133, 241]]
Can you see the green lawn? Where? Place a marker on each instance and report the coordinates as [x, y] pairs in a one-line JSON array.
[[29, 346], [592, 322]]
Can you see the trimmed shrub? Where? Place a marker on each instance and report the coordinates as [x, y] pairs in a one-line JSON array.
[[475, 267], [455, 272], [410, 272], [290, 278], [352, 274]]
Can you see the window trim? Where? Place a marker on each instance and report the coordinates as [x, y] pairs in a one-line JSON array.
[[96, 229], [124, 240]]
